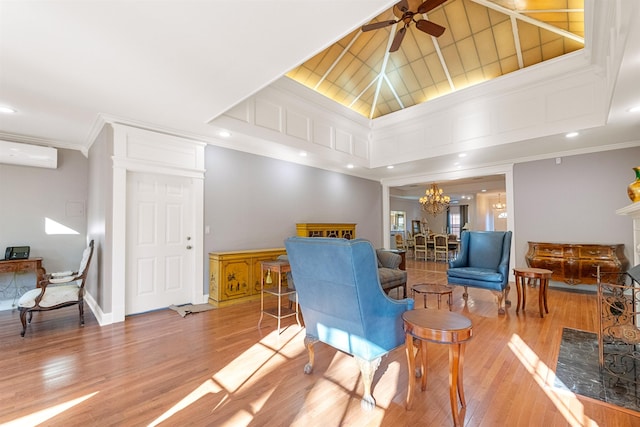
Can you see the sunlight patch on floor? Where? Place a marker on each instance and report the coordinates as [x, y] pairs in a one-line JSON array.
[[231, 379], [47, 414], [567, 403]]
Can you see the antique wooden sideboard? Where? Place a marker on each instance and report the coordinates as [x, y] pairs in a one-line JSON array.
[[345, 231], [24, 266], [235, 277], [577, 263]]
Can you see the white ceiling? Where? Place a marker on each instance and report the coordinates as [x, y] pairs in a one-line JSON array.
[[176, 65]]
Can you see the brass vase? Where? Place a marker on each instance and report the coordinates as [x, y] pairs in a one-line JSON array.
[[634, 188]]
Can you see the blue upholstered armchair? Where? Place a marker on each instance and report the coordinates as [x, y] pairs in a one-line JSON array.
[[483, 262], [343, 304]]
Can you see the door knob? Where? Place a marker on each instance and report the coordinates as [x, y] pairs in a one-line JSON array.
[[189, 246]]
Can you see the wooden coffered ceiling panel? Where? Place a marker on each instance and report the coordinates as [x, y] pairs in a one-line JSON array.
[[484, 39]]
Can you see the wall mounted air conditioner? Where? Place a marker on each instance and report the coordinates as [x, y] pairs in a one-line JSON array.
[[13, 153]]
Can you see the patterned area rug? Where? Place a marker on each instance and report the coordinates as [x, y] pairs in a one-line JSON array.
[[183, 310], [578, 371]]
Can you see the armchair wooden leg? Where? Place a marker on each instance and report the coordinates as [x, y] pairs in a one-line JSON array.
[[368, 369], [501, 296], [309, 341], [23, 319], [81, 309]]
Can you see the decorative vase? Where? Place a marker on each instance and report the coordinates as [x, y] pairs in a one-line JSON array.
[[634, 188]]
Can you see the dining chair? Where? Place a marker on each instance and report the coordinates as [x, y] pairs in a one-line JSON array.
[[420, 245], [440, 247]]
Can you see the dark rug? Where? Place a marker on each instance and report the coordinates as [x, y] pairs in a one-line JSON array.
[[578, 371]]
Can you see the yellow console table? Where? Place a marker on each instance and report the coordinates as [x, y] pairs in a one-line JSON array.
[[236, 277], [345, 231]]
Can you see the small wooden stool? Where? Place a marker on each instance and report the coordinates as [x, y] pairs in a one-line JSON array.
[[438, 290], [542, 276], [441, 327]]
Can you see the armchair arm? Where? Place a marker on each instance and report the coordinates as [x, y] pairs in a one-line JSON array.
[[62, 277], [62, 274], [458, 262], [385, 327], [388, 259]]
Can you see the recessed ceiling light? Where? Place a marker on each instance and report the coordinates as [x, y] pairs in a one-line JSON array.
[[635, 109], [7, 110], [462, 155], [484, 190], [350, 166], [571, 135], [224, 133], [390, 167], [303, 154]]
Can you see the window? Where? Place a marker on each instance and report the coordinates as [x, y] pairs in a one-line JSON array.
[[454, 220], [398, 222]]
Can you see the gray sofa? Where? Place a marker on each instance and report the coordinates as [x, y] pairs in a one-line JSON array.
[[389, 273]]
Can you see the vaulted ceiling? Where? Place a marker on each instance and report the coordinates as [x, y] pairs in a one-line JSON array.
[[178, 67], [483, 40]]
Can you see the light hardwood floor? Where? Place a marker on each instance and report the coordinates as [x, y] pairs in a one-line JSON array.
[[217, 369]]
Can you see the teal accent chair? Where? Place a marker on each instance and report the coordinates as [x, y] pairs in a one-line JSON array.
[[483, 262], [343, 304]]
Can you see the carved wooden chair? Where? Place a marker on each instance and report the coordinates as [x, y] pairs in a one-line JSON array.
[[441, 247], [420, 245], [57, 290]]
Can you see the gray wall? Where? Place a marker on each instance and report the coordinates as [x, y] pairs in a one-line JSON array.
[[100, 218], [29, 195], [574, 201], [254, 202]]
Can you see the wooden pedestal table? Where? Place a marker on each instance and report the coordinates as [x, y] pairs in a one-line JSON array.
[[438, 290], [542, 276], [442, 327]]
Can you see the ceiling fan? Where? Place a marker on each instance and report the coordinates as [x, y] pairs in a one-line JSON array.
[[406, 15]]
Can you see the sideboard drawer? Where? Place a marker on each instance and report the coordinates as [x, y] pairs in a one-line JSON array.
[[605, 252]]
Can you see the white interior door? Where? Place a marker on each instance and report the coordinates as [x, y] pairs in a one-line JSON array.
[[159, 268]]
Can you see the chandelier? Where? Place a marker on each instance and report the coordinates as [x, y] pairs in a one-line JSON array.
[[499, 206], [433, 201]]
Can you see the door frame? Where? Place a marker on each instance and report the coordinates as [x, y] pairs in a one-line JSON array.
[[139, 150], [506, 169]]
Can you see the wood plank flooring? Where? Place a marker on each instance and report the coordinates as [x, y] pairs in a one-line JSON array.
[[217, 369]]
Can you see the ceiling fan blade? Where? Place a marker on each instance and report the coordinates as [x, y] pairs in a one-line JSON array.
[[429, 5], [397, 40], [377, 25], [430, 28]]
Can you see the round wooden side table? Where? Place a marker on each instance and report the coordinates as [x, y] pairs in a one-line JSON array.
[[540, 274], [433, 289], [442, 327]]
